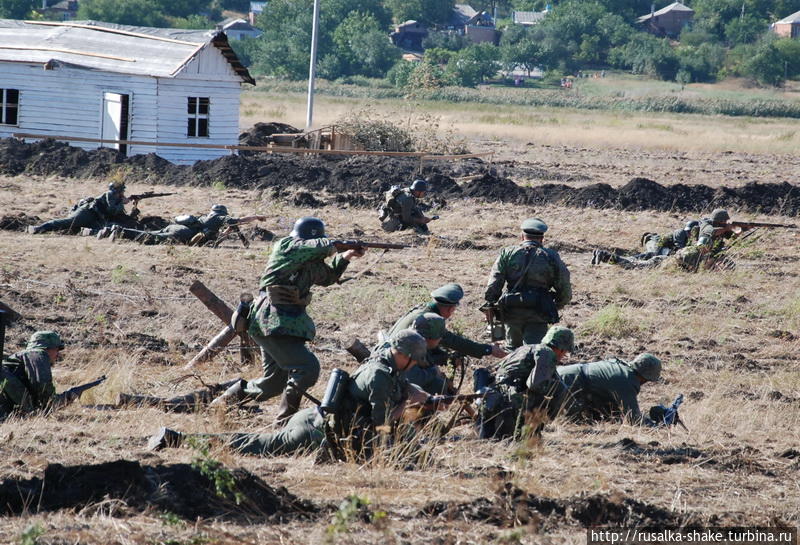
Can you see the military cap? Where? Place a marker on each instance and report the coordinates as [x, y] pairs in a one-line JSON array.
[[307, 228], [720, 215], [647, 366], [42, 340], [410, 343], [419, 185], [533, 226], [430, 325], [560, 337], [219, 209], [449, 294]]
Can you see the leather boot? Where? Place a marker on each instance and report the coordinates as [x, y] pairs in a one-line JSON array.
[[290, 403], [234, 394]]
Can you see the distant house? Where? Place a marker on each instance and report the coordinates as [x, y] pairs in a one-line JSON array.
[[788, 27], [66, 10], [528, 18], [478, 27], [668, 21], [409, 35], [238, 29], [256, 8], [94, 80]]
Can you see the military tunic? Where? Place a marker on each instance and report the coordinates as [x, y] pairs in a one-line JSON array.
[[546, 278], [92, 213], [279, 323], [404, 213], [601, 389], [26, 382], [708, 251], [209, 225]]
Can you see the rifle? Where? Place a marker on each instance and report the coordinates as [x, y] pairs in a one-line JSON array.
[[494, 321], [2, 333], [342, 245], [231, 228], [745, 225], [146, 195], [75, 392], [668, 416]]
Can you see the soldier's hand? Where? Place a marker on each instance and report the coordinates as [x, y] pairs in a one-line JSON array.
[[355, 253], [498, 351]]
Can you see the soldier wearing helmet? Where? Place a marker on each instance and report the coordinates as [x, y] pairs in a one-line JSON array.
[[279, 323], [401, 209], [26, 380], [656, 248], [184, 229], [608, 388], [528, 284], [525, 380], [709, 250], [92, 213]]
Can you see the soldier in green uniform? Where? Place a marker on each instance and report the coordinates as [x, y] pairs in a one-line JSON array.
[[375, 396], [279, 323], [656, 248], [26, 380], [537, 286], [445, 302], [608, 389], [428, 374], [525, 380], [91, 213], [401, 209], [184, 228], [709, 251]]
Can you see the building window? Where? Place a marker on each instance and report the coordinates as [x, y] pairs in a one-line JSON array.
[[198, 116], [9, 106]]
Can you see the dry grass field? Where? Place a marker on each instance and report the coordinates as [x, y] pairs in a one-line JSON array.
[[729, 341]]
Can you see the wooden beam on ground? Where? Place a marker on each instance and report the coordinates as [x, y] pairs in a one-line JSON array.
[[213, 303], [217, 344]]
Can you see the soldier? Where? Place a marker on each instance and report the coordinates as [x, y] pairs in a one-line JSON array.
[[184, 229], [401, 210], [657, 248], [708, 252], [608, 388], [525, 380], [375, 395], [26, 380], [445, 302], [428, 374], [92, 213], [279, 323], [536, 283]]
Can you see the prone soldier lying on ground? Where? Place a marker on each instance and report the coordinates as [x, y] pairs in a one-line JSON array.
[[93, 213], [401, 209], [26, 379], [656, 248], [525, 381], [372, 398], [186, 229]]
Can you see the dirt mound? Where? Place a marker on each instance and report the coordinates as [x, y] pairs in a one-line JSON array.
[[18, 222], [512, 506], [260, 133], [177, 488], [362, 180]]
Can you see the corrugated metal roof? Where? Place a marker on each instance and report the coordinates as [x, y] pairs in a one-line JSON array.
[[122, 49], [675, 6], [793, 18], [461, 14], [528, 17]]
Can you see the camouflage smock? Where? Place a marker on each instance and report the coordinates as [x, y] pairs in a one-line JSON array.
[[300, 264], [546, 272], [26, 382], [603, 388]]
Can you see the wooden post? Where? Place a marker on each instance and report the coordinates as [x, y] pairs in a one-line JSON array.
[[211, 301], [213, 348], [358, 350]]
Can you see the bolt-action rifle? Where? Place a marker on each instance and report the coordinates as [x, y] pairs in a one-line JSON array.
[[342, 245], [68, 396], [147, 195]]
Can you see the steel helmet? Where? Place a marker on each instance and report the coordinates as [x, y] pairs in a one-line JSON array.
[[307, 228], [219, 209], [419, 185], [691, 225], [720, 215], [647, 366]]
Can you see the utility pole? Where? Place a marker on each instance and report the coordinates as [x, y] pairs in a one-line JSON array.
[[312, 68]]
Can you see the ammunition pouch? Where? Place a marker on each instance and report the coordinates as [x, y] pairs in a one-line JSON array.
[[287, 295], [530, 298]]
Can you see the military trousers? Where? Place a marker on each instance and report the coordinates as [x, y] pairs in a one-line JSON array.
[[287, 362], [83, 217], [430, 379], [177, 234], [519, 332], [303, 431]]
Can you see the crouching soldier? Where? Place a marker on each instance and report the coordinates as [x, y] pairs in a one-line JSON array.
[[92, 213], [26, 380], [526, 380], [401, 209], [374, 396], [609, 388]]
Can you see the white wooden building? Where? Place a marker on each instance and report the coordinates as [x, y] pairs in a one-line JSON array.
[[97, 80]]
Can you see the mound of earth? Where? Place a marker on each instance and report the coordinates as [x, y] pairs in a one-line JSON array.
[[260, 133], [17, 222], [512, 506], [362, 180], [177, 488]]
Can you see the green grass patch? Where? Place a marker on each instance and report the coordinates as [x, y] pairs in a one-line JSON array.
[[611, 321]]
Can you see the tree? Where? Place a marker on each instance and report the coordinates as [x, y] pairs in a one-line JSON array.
[[743, 30], [362, 48], [423, 11], [445, 40], [123, 12], [646, 54], [766, 65], [473, 64], [702, 63], [16, 9], [518, 47], [790, 52]]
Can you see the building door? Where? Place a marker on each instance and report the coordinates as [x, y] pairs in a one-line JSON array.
[[115, 119]]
